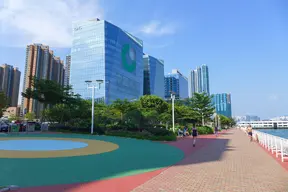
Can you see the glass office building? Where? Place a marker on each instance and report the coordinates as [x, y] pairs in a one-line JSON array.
[[205, 79], [103, 51], [199, 81], [153, 76], [222, 103], [177, 83]]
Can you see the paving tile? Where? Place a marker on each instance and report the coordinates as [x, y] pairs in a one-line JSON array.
[[230, 163]]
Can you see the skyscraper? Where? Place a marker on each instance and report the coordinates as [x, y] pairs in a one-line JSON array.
[[199, 81], [153, 76], [9, 83], [67, 70], [222, 103], [103, 51], [192, 87], [177, 83], [205, 79], [42, 64]]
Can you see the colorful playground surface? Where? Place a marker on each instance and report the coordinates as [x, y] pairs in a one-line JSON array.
[[32, 160]]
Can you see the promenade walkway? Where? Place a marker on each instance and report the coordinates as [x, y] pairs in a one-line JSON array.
[[230, 163]]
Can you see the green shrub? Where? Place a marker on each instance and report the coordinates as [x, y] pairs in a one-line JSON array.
[[159, 131], [171, 137], [122, 126], [142, 135], [81, 130], [205, 130]]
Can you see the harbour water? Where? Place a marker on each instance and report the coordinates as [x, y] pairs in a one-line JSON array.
[[277, 132]]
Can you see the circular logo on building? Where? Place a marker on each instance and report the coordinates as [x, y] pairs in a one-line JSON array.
[[128, 58]]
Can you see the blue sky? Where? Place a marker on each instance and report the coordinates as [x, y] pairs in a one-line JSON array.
[[244, 42]]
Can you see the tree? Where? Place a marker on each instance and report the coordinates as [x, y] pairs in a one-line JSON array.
[[49, 92], [233, 122], [78, 110], [13, 118], [30, 116], [226, 121], [134, 117], [58, 113], [123, 106], [3, 102], [202, 105], [153, 102], [186, 114]]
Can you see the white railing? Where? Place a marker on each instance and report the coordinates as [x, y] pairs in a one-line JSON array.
[[276, 145]]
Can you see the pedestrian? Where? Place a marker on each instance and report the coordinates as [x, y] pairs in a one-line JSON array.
[[249, 131], [216, 131], [194, 134], [185, 131]]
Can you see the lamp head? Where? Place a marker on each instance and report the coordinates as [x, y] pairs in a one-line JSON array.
[[88, 82], [99, 81]]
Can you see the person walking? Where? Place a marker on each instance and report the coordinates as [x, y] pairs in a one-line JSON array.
[[216, 131], [194, 134], [249, 131]]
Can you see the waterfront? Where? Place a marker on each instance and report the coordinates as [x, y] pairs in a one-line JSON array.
[[277, 132]]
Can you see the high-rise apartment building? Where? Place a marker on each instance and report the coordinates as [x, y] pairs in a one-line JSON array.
[[103, 51], [153, 76], [199, 81], [192, 83], [67, 70], [9, 83], [177, 83], [222, 103], [42, 64]]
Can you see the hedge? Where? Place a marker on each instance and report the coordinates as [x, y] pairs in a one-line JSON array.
[[155, 134], [140, 135], [202, 130]]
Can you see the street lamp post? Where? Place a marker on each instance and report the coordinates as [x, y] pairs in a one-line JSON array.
[[173, 120], [93, 87], [219, 122], [203, 122]]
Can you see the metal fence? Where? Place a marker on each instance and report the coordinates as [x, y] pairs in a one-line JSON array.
[[276, 145]]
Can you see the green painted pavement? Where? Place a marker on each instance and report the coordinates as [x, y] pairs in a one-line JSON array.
[[132, 157]]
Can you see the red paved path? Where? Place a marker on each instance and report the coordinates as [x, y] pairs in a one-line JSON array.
[[124, 184], [283, 164], [230, 164]]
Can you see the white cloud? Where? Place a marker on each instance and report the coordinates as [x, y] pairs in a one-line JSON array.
[[44, 21], [157, 28]]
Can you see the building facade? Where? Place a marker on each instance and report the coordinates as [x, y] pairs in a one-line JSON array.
[[12, 111], [205, 79], [67, 70], [192, 83], [222, 103], [199, 81], [153, 76], [103, 51], [9, 83], [264, 124], [281, 118], [42, 64], [177, 83], [247, 118]]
